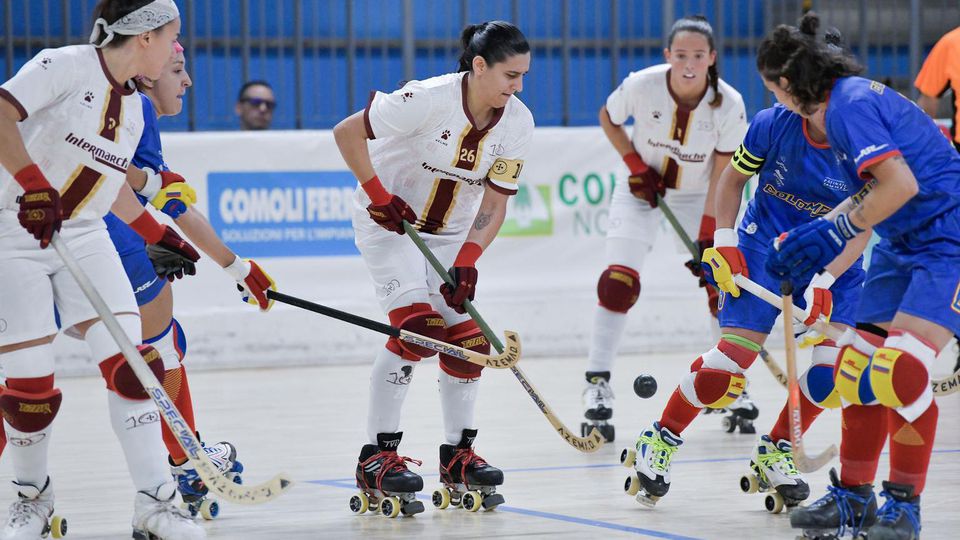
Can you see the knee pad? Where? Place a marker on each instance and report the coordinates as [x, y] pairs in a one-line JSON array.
[[420, 319], [716, 378], [900, 370], [171, 344], [817, 382], [468, 336], [29, 411], [618, 288], [121, 378]]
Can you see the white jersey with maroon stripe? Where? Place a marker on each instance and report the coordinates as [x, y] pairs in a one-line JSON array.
[[677, 141], [79, 125], [428, 150]]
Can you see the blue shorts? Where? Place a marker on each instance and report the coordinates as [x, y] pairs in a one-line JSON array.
[[144, 280], [921, 282], [752, 313]]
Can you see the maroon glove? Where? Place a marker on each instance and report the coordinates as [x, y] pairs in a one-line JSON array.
[[644, 182], [40, 211], [464, 275], [389, 211]]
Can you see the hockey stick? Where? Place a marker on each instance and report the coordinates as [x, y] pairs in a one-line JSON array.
[[694, 250], [941, 387], [218, 484], [804, 462], [501, 361], [591, 442]]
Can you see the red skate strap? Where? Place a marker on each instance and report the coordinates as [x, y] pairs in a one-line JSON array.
[[391, 462], [465, 456]]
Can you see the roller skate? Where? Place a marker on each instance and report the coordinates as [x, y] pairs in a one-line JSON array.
[[31, 515], [468, 481], [156, 517], [772, 471], [190, 485], [385, 482], [598, 405], [740, 414], [842, 510], [899, 517], [650, 459]]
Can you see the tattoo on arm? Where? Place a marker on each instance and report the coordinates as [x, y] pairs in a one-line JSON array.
[[483, 219]]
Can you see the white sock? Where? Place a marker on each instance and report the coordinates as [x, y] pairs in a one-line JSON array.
[[458, 399], [137, 426], [389, 383], [607, 330]]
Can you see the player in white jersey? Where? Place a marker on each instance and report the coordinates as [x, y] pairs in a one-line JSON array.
[[686, 125], [70, 121], [450, 151]]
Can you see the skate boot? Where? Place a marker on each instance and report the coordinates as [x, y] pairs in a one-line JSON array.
[[31, 516], [598, 405], [743, 412], [156, 517], [772, 471], [190, 485], [842, 510], [899, 517], [650, 459], [384, 480], [468, 480]]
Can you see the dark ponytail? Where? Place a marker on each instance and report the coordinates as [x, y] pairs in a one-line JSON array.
[[700, 25], [809, 65], [495, 41]]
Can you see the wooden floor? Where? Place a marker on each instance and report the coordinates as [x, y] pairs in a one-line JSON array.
[[308, 422]]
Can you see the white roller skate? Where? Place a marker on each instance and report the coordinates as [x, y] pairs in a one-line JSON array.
[[650, 459], [773, 471], [156, 517], [598, 405], [31, 516], [739, 414], [192, 490]]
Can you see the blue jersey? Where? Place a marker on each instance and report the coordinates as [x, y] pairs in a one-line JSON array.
[[799, 179], [867, 123]]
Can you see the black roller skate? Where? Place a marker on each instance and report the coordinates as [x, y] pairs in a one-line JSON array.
[[773, 471], [385, 482], [598, 405], [842, 510], [194, 493], [739, 415], [650, 458], [468, 481], [899, 517]]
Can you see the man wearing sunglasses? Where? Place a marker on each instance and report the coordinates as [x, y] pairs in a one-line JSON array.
[[255, 105]]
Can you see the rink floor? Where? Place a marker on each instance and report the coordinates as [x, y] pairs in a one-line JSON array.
[[308, 422]]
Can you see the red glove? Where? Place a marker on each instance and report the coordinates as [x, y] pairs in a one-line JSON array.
[[163, 236], [40, 211], [645, 183], [253, 282], [389, 211], [465, 275]]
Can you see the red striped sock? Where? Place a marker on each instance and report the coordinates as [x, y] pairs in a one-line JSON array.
[[679, 413], [864, 432], [177, 387], [809, 412], [910, 446]]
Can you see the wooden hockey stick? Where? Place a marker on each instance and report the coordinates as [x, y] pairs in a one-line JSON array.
[[218, 484], [941, 387], [805, 463], [591, 442], [694, 250], [506, 359]]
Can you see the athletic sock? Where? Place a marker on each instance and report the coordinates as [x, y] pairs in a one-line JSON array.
[[864, 432], [458, 398], [808, 413], [910, 446], [679, 413], [607, 332], [389, 382]]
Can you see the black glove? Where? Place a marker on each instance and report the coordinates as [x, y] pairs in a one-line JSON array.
[[169, 264]]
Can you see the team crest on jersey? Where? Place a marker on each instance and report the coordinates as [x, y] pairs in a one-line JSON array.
[[751, 228], [877, 87], [45, 61], [657, 115], [406, 95]]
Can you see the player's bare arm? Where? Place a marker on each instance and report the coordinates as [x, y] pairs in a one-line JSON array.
[[199, 231], [490, 216], [720, 162], [895, 186], [929, 104], [728, 194], [351, 137], [615, 134]]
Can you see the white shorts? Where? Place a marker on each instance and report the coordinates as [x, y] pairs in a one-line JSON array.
[[401, 274], [634, 224], [34, 280]]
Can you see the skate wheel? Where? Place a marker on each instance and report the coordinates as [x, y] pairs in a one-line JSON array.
[[209, 509], [632, 485], [628, 457], [773, 503], [58, 527], [359, 503], [471, 501], [729, 424], [390, 507], [749, 483], [441, 498]]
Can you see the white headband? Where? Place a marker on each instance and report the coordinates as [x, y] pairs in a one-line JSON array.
[[149, 17]]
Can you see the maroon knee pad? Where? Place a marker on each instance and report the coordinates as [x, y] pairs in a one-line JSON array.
[[121, 378], [618, 288], [468, 336], [30, 411], [419, 319]]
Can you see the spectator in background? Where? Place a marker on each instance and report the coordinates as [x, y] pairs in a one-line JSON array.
[[940, 72], [255, 105]]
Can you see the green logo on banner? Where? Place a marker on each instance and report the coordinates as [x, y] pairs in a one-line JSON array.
[[529, 212]]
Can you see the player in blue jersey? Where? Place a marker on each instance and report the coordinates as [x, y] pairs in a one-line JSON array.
[[912, 287], [147, 269]]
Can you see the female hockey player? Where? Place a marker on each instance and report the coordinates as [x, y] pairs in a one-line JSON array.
[[452, 147]]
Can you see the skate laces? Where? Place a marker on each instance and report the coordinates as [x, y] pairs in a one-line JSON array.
[[598, 393], [466, 457], [892, 509], [779, 459], [662, 453], [21, 511], [391, 462], [842, 497]]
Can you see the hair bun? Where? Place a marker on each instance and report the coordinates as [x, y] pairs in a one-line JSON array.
[[810, 23]]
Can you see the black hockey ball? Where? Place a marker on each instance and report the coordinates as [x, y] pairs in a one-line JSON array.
[[645, 386]]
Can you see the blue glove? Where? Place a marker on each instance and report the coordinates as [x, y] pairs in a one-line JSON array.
[[805, 250]]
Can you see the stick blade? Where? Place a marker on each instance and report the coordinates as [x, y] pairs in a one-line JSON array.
[[511, 352], [587, 445], [807, 464]]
